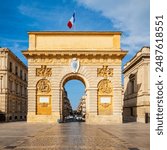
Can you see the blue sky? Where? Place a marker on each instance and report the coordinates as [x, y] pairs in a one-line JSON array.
[[76, 87], [132, 17]]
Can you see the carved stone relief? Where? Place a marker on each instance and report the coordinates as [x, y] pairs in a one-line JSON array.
[[105, 105], [44, 71], [105, 93], [83, 61], [105, 87], [74, 65], [43, 86], [105, 72]]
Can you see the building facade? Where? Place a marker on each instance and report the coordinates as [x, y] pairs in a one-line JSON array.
[[81, 109], [13, 87], [67, 108], [94, 58], [136, 105]]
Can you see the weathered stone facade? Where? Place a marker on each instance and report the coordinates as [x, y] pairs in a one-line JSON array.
[[137, 87], [13, 87], [91, 57]]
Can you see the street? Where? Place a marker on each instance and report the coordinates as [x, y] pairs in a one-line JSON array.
[[74, 136]]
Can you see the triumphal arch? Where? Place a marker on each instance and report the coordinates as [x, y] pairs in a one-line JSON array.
[[91, 57]]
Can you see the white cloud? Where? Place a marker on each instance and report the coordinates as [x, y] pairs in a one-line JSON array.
[[128, 16]]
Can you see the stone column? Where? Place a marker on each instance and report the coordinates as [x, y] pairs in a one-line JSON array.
[[91, 105]]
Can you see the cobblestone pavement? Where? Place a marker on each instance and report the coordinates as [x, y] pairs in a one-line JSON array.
[[74, 136]]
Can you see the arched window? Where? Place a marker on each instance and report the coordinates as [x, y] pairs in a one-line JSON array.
[[132, 83]]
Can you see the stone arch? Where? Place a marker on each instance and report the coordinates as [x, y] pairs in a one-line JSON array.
[[43, 97], [65, 79], [105, 96], [59, 58], [72, 76]]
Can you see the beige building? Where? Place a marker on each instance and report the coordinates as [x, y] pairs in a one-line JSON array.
[[81, 109], [67, 108], [13, 87], [94, 58], [137, 87]]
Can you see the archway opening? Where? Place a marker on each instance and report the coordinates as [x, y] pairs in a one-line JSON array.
[[74, 100]]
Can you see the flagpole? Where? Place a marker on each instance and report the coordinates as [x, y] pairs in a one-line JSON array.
[[74, 21], [74, 28]]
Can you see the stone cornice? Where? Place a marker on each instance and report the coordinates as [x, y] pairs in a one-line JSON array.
[[143, 53], [75, 33], [135, 61], [59, 53], [6, 50]]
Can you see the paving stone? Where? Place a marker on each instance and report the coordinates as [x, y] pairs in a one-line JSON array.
[[74, 136]]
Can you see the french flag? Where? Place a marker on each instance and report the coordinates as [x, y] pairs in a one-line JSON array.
[[71, 21]]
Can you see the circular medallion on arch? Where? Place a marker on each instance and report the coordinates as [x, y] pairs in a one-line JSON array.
[[75, 65]]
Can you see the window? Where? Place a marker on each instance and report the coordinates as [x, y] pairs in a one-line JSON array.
[[25, 76], [21, 90], [132, 83], [25, 91], [132, 86], [131, 111], [21, 74], [18, 107], [16, 88], [16, 70], [11, 85], [10, 69]]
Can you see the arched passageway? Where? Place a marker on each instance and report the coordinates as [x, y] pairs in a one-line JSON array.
[[73, 102]]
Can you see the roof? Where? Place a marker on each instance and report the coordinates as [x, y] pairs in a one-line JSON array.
[[143, 52], [12, 54], [77, 32]]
